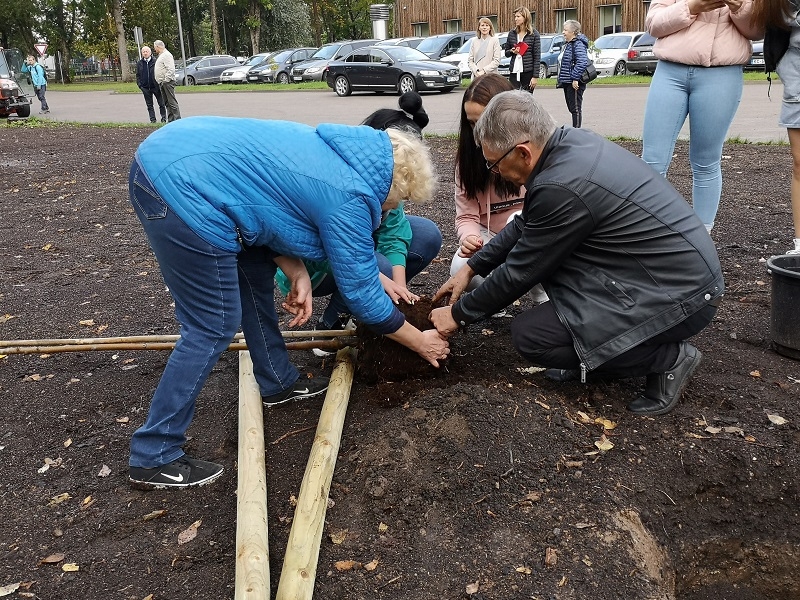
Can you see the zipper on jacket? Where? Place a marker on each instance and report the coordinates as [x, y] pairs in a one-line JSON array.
[[583, 373]]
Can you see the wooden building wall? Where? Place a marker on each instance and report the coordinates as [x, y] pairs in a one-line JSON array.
[[435, 12]]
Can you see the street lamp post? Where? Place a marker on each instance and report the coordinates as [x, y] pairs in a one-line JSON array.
[[180, 33]]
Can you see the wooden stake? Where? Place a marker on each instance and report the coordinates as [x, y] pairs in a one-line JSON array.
[[302, 551], [252, 547]]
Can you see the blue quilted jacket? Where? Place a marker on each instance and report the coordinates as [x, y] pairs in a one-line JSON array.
[[310, 193]]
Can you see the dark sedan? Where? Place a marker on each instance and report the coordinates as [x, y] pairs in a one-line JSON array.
[[390, 68]]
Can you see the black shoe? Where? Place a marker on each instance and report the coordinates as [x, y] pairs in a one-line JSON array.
[[304, 388], [563, 375], [152, 120], [180, 473], [342, 323], [663, 390]]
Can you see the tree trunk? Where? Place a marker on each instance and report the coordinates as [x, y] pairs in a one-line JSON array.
[[254, 23], [122, 43], [212, 11]]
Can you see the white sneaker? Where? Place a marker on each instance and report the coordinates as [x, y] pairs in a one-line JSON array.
[[794, 251]]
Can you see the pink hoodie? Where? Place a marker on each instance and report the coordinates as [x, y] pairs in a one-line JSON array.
[[471, 213], [709, 39]]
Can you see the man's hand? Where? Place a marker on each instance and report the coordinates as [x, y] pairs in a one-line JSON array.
[[455, 286], [442, 319]]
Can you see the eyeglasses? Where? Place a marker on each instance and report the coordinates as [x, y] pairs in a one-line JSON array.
[[493, 167]]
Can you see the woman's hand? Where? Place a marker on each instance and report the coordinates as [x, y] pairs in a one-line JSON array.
[[532, 84], [700, 6], [470, 245], [299, 299], [433, 347], [575, 85], [397, 291]]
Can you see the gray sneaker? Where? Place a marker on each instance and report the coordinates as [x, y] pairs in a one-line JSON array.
[[180, 473]]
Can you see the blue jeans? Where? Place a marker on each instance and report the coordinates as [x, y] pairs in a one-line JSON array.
[[214, 291], [40, 92], [426, 241], [710, 97]]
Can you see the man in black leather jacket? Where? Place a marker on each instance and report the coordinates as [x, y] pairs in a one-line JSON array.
[[146, 80], [629, 268]]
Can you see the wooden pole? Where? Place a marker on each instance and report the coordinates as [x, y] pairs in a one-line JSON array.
[[252, 548], [302, 550], [13, 348]]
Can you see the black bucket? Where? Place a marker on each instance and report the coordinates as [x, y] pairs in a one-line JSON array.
[[785, 325]]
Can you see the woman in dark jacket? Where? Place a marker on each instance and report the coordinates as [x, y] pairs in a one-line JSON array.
[[574, 61], [524, 66]]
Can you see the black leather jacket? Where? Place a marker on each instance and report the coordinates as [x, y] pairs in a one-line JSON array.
[[619, 251], [145, 74]]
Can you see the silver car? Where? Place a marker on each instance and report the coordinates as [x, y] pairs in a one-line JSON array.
[[204, 69]]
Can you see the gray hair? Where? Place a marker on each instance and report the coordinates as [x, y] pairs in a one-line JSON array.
[[511, 118], [573, 26], [158, 44]]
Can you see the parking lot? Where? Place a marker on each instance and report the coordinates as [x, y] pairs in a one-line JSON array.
[[611, 110]]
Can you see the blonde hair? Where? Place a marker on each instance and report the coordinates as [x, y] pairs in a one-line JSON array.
[[413, 176], [483, 20], [527, 20]]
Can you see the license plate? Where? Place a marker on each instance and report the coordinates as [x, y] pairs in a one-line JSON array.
[[757, 61], [645, 54], [452, 78], [297, 78]]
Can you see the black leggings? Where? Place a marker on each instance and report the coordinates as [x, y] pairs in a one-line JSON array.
[[574, 100], [522, 81]]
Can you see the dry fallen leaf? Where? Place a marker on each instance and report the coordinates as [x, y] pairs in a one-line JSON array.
[[47, 247], [550, 557], [67, 442], [777, 419], [188, 534], [606, 423], [604, 444], [87, 322], [524, 570], [371, 565], [59, 499], [346, 565], [383, 527], [713, 430], [52, 559], [472, 588], [105, 471], [9, 589], [487, 332], [70, 567], [154, 515], [338, 536], [755, 373], [583, 417], [123, 419]]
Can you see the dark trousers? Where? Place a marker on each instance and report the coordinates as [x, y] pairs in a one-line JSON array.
[[522, 81], [171, 102], [539, 336], [574, 100], [149, 94], [40, 91]]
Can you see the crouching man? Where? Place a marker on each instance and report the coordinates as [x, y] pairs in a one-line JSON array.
[[630, 270]]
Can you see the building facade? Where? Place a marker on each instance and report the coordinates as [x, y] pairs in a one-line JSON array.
[[597, 17]]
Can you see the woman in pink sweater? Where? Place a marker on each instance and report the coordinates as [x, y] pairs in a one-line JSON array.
[[485, 202], [701, 47]]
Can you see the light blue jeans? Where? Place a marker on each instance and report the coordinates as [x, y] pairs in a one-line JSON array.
[[710, 97]]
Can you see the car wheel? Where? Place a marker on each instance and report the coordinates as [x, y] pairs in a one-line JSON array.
[[283, 78], [342, 86], [542, 71], [24, 111], [190, 80], [620, 68], [406, 84]]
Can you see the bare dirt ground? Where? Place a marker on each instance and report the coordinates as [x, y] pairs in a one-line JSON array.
[[483, 481]]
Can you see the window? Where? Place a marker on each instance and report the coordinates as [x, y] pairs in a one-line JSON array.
[[344, 50], [358, 57], [452, 26], [567, 14], [203, 64], [420, 29], [378, 56], [610, 19]]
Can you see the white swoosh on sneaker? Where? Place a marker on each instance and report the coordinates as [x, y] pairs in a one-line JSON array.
[[175, 478], [305, 391]]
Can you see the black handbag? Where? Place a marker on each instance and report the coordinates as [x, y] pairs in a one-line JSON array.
[[589, 74]]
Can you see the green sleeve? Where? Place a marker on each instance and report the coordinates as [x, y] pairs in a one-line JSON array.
[[393, 236], [316, 271]]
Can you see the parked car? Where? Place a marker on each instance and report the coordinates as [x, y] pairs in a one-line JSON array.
[[411, 42], [313, 69], [757, 58], [444, 44], [460, 58], [552, 45], [612, 52], [641, 59], [390, 68], [276, 68], [238, 74], [204, 69]]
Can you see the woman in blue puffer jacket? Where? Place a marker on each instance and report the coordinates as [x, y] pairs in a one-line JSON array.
[[226, 201], [573, 62]]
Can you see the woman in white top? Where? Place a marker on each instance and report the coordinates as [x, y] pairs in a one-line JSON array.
[[484, 51]]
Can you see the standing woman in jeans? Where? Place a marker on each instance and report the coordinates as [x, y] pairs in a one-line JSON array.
[[574, 61], [701, 46], [524, 65]]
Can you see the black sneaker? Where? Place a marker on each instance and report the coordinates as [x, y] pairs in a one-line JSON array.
[[303, 388], [180, 473]]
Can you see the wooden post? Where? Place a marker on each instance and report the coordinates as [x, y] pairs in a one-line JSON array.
[[252, 547], [302, 550]]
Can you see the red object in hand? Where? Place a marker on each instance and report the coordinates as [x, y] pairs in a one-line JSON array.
[[521, 47]]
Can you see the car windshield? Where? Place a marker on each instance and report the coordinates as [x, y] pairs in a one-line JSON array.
[[404, 53], [430, 44], [613, 42], [255, 60], [464, 47], [10, 62], [326, 52], [281, 56]]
